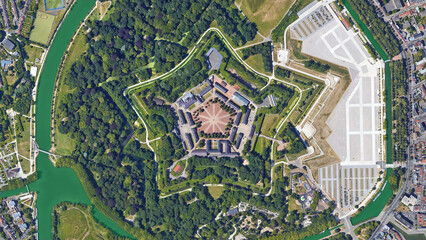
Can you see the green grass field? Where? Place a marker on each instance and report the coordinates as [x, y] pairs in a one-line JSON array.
[[54, 4], [73, 224], [215, 191], [78, 223], [42, 28], [33, 52], [64, 144], [266, 14], [256, 62], [24, 138], [269, 124], [262, 144]]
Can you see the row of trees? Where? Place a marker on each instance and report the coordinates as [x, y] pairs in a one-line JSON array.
[[400, 111], [380, 30], [317, 66]]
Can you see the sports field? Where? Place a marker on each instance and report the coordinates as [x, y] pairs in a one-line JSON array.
[[266, 14], [54, 4], [42, 27]]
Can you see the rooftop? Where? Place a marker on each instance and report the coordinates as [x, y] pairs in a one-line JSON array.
[[8, 44], [214, 58]]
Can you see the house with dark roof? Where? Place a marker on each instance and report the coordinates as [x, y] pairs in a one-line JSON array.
[[237, 120], [221, 96], [199, 152], [205, 90], [186, 101], [220, 145], [233, 132], [220, 87], [233, 105], [239, 99], [253, 128], [404, 220], [195, 134], [239, 139], [227, 147], [182, 118], [246, 116], [189, 139], [199, 99], [209, 145], [189, 103], [230, 154], [214, 59], [190, 119], [8, 44], [158, 101]]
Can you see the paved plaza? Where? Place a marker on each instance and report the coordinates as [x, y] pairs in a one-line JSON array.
[[355, 122], [214, 119]]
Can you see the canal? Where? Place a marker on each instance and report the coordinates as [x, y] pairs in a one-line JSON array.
[[56, 185]]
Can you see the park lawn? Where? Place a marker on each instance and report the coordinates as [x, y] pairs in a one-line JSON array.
[[76, 51], [24, 140], [267, 14], [293, 205], [262, 144], [78, 223], [256, 62], [64, 145], [216, 191], [42, 27], [33, 52], [72, 224], [11, 79], [54, 4], [269, 124]]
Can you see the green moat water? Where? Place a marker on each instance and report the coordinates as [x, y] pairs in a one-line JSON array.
[[57, 185]]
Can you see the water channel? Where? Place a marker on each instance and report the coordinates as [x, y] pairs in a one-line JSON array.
[[56, 185]]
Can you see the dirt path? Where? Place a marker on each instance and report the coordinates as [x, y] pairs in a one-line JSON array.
[[87, 220]]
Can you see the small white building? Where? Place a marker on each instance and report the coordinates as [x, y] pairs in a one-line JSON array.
[[33, 71], [409, 201]]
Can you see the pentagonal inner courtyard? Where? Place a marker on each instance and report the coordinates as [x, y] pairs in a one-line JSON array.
[[215, 119]]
